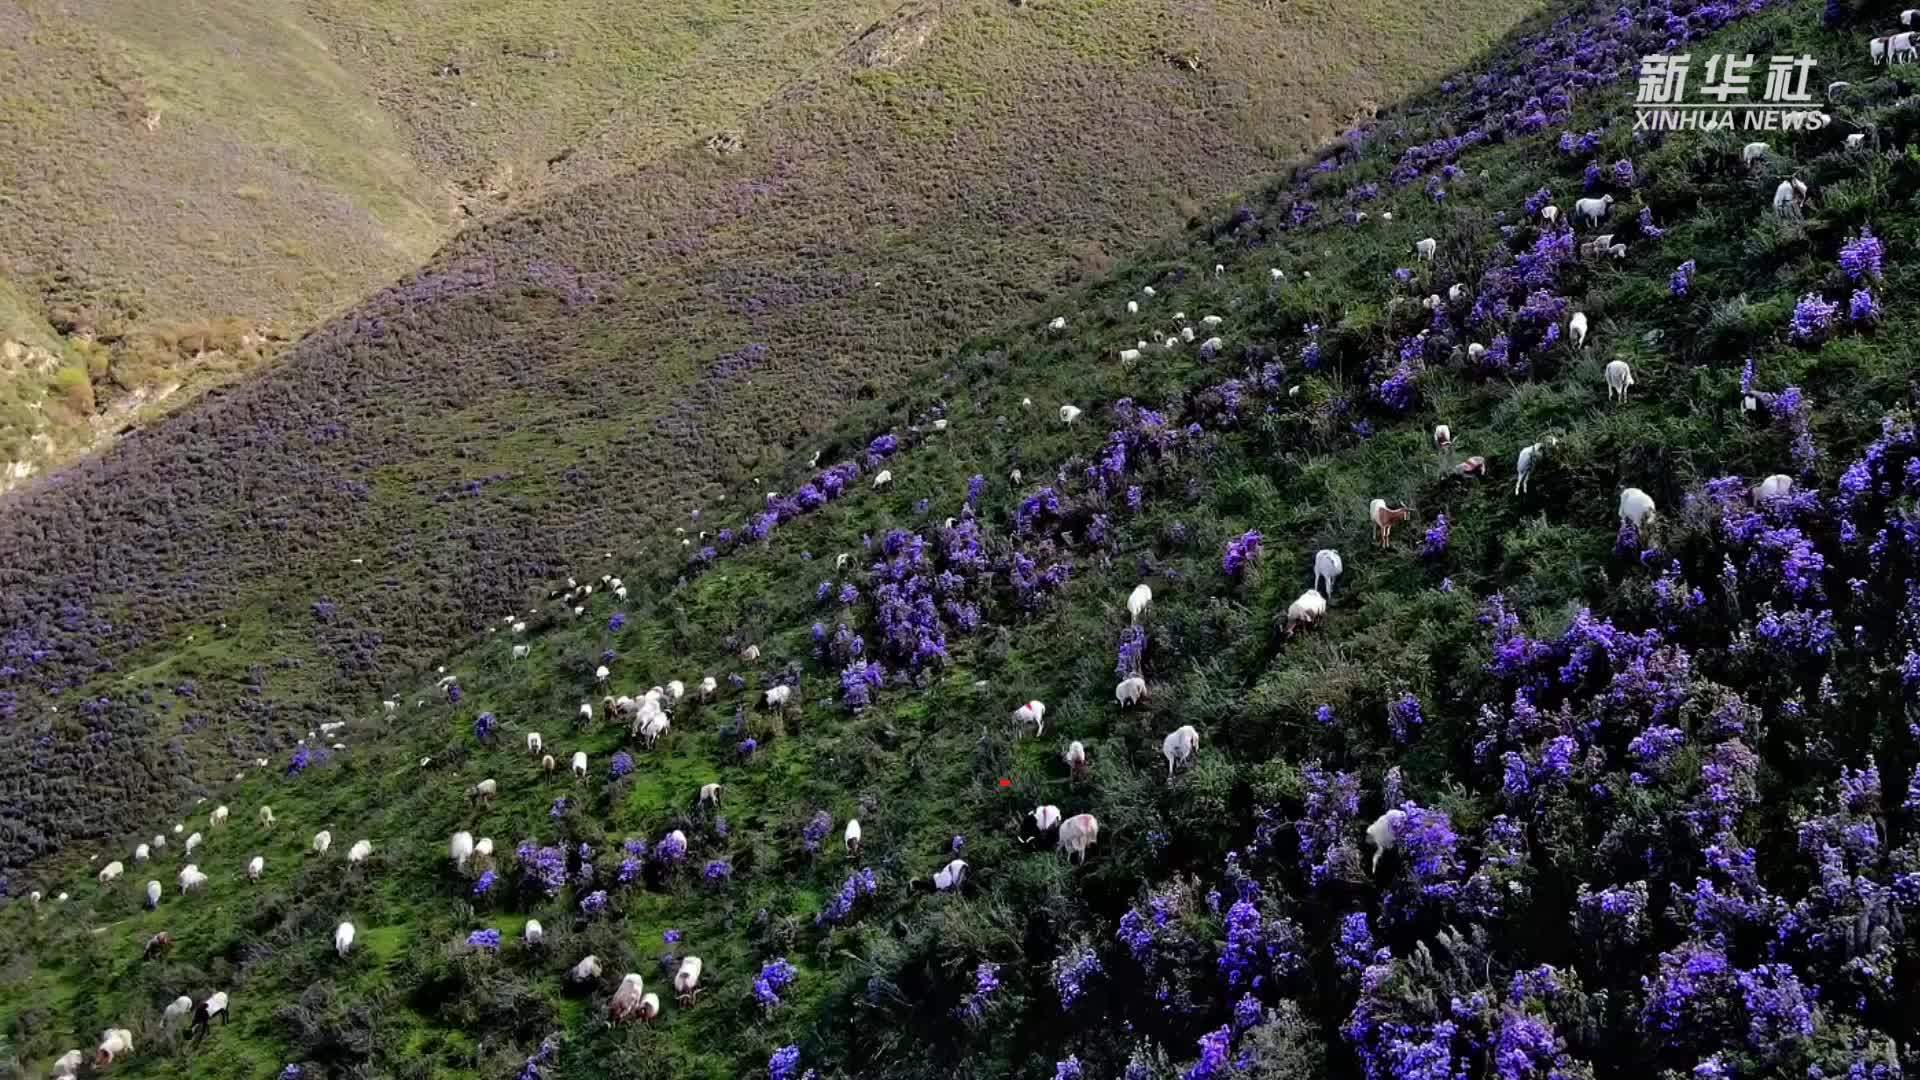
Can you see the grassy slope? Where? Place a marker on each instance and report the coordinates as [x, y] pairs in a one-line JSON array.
[[1017, 149], [921, 765]]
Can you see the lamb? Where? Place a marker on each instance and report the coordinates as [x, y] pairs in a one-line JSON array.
[[951, 876], [1456, 293], [1046, 817], [1033, 712], [195, 841], [534, 934], [851, 838], [649, 1008], [547, 764], [1384, 519], [1789, 197], [1549, 214], [1128, 356], [710, 794], [1901, 46], [1475, 351], [1636, 507], [141, 853], [586, 713], [653, 727], [1752, 152], [1211, 321], [255, 867], [686, 981], [359, 852], [217, 818], [777, 697], [191, 879], [1592, 211], [626, 1000], [600, 673], [343, 938], [1442, 437], [1069, 413], [322, 840], [1426, 248], [1077, 834], [587, 969], [1059, 323], [1130, 690], [1577, 330], [153, 895], [1179, 746], [483, 848], [1777, 486], [707, 686], [676, 689], [1306, 610], [1383, 833], [1907, 16], [113, 1043], [751, 654], [1619, 377], [111, 871], [1138, 600], [157, 945], [1856, 140], [1529, 457], [882, 478], [1327, 568], [534, 743], [579, 764], [180, 1009], [1133, 307], [67, 1066], [266, 816], [1076, 758], [521, 652]]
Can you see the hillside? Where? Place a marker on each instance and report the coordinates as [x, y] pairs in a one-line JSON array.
[[1656, 786], [192, 189], [624, 353]]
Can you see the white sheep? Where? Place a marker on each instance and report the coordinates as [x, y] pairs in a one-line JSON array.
[[626, 1001], [191, 879], [322, 840], [360, 851], [1014, 476], [1383, 832], [707, 686], [1133, 307], [1592, 211], [882, 478], [1138, 600], [535, 744], [1059, 323], [1128, 356], [1475, 351], [1442, 437], [586, 712], [1327, 568], [217, 818], [710, 794], [1046, 817], [1426, 248], [676, 689], [1577, 330], [1777, 486], [851, 838], [141, 853], [1069, 413], [266, 815], [343, 938], [600, 673], [1618, 251], [114, 1042], [1619, 377], [1077, 834], [1306, 610], [547, 765], [686, 981], [111, 871], [1211, 321], [483, 848], [579, 764], [67, 1065], [1130, 690], [1752, 152], [180, 1009], [777, 697], [1636, 507], [153, 895], [255, 867], [195, 841], [1075, 757], [1789, 197], [653, 727], [1901, 46], [534, 934], [1550, 214], [1907, 16], [587, 969], [1529, 457], [521, 652], [950, 876], [1856, 140], [1033, 712], [1178, 746], [485, 790]]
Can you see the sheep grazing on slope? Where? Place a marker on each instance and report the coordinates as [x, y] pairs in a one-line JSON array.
[[191, 879], [266, 815], [111, 871], [157, 945], [141, 853], [586, 714], [653, 727], [114, 1043], [1179, 746], [217, 818], [1426, 248], [1636, 507], [579, 765], [1046, 817], [1752, 152], [322, 840], [67, 1066], [1077, 834], [194, 841], [950, 876], [1529, 457], [1069, 413], [1130, 690], [1383, 832], [1128, 356], [600, 673], [1777, 486], [1384, 518], [1138, 601], [255, 867], [1789, 197], [1592, 211], [626, 1000], [1442, 437], [710, 794], [1550, 214], [153, 895], [686, 981], [1033, 712], [534, 742], [1619, 378], [1306, 610], [1133, 307], [1076, 758], [360, 851], [483, 848], [707, 686], [1059, 323], [547, 765], [203, 1013], [883, 478], [587, 969], [778, 697], [1577, 330], [851, 838], [180, 1009], [534, 934], [343, 938], [676, 689], [1327, 568]]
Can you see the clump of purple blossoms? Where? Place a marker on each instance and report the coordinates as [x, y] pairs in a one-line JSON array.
[[1071, 970], [484, 883], [618, 621], [559, 808], [302, 758], [544, 868], [1681, 282], [841, 906], [815, 831], [1862, 256], [484, 941], [1647, 228], [1434, 544], [773, 978], [1240, 551], [1404, 716], [1862, 308], [1812, 318], [671, 849], [986, 983], [1133, 645], [718, 872], [746, 747], [1069, 1069], [1623, 173], [484, 727], [595, 902], [783, 1062], [622, 764]]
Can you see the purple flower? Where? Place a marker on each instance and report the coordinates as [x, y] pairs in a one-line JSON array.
[[484, 941], [1682, 280], [1812, 317], [1861, 256], [615, 623], [671, 848], [1403, 716], [1069, 1069], [1071, 970], [1434, 544], [484, 883], [595, 902], [815, 831], [959, 842], [559, 808], [986, 983], [484, 727], [1647, 227], [773, 978], [1623, 173], [1239, 552], [783, 1062], [1862, 308], [718, 872], [622, 764]]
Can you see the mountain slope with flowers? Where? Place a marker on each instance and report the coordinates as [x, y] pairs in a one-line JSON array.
[[1650, 792]]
